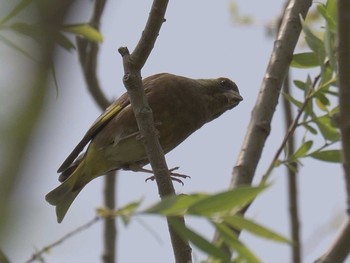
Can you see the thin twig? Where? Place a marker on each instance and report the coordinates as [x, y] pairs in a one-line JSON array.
[[47, 248], [340, 249], [290, 131], [88, 55], [293, 170], [133, 64], [292, 179]]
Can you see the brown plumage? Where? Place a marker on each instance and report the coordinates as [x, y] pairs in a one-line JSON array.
[[180, 107]]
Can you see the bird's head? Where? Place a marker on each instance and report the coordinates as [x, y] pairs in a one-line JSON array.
[[221, 94]]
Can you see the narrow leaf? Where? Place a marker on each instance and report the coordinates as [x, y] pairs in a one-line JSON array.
[[302, 151], [322, 102], [64, 42], [321, 8], [231, 240], [310, 129], [242, 223], [199, 241], [327, 129], [16, 47], [300, 84], [84, 30], [291, 99], [305, 60], [174, 205], [315, 44], [16, 10], [225, 202], [333, 156]]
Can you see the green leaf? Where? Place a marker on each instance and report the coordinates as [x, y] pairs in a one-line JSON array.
[[84, 30], [225, 202], [331, 7], [199, 241], [16, 10], [324, 87], [302, 151], [322, 102], [309, 106], [305, 60], [329, 43], [231, 240], [315, 44], [333, 156], [37, 31], [300, 84], [292, 167], [174, 205], [310, 128], [291, 99], [16, 47], [326, 77], [325, 12], [124, 212], [239, 222], [64, 42], [327, 129]]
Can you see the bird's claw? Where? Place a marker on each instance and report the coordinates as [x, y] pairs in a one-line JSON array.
[[173, 176]]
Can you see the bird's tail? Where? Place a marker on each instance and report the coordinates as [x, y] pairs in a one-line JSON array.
[[63, 196]]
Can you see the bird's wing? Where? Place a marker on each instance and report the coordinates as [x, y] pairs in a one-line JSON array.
[[113, 110], [101, 122]]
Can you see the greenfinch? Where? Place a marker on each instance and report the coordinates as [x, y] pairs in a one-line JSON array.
[[180, 106]]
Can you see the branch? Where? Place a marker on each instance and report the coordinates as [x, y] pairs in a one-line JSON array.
[[133, 64], [109, 227], [344, 88], [88, 54], [340, 249], [292, 172], [292, 179], [259, 126], [37, 256], [88, 51]]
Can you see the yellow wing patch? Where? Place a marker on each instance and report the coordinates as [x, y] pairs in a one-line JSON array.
[[101, 121]]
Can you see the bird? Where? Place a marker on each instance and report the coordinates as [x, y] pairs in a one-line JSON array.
[[180, 106]]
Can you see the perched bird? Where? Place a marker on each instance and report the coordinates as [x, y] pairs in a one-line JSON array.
[[180, 107]]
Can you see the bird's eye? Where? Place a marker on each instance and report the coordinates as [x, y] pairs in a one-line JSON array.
[[227, 84]]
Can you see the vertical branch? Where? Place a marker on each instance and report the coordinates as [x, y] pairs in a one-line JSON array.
[[259, 126], [292, 179], [344, 87], [88, 55], [109, 227], [133, 64], [340, 249]]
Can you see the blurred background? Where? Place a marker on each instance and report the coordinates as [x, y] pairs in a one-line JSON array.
[[40, 123]]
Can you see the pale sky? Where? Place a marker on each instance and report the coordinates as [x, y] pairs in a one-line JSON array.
[[198, 40]]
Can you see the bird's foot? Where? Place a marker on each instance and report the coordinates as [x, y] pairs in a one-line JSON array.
[[173, 176]]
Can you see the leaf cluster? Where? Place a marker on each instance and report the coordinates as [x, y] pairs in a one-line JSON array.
[[38, 29], [319, 105], [217, 209]]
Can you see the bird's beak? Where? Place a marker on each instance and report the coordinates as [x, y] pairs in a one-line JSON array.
[[234, 98]]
